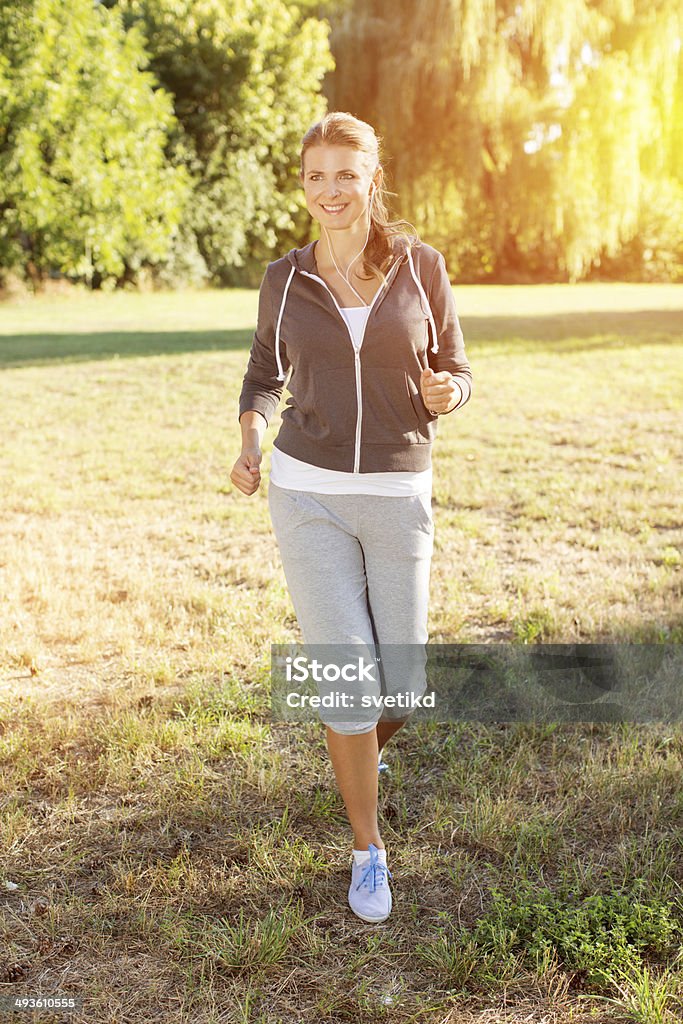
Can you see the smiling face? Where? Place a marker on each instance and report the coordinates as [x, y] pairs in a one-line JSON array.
[[337, 176]]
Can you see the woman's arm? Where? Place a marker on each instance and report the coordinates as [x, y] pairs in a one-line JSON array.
[[253, 426], [451, 356], [261, 389]]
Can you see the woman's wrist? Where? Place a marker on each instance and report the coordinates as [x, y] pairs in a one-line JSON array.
[[253, 426]]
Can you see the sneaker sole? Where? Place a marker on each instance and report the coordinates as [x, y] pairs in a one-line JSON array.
[[373, 920]]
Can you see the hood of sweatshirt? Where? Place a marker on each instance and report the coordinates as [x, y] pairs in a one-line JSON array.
[[303, 261]]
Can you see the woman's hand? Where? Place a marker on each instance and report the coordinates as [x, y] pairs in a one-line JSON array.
[[246, 474], [440, 392]]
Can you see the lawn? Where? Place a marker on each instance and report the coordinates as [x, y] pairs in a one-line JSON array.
[[168, 853]]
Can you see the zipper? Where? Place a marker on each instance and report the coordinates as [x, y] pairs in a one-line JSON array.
[[359, 418], [359, 388]]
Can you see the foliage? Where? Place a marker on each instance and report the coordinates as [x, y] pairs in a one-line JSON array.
[[590, 933], [531, 138], [594, 936], [245, 77], [533, 141], [84, 185]]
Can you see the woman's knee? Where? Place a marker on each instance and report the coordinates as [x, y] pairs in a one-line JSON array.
[[351, 728]]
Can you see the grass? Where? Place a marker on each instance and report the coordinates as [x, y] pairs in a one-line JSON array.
[[168, 853]]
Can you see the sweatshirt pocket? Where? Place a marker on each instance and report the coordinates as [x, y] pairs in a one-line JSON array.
[[324, 406], [426, 419], [388, 413]]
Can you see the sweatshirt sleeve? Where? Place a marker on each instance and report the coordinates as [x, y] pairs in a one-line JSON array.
[[451, 355], [261, 390]]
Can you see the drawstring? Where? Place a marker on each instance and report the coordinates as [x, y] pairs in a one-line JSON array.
[[435, 343], [281, 375]]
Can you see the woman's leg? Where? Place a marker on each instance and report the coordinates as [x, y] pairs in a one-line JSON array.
[[384, 730], [354, 759], [325, 572], [397, 535]]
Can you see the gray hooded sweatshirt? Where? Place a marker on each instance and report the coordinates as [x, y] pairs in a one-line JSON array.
[[355, 411]]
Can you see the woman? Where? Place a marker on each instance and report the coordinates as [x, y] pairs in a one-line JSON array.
[[366, 320]]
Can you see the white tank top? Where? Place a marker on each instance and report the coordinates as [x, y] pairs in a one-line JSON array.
[[286, 471]]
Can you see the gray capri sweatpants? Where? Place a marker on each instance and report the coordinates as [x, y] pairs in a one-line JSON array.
[[357, 568]]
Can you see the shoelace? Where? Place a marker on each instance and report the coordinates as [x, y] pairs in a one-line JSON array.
[[373, 867]]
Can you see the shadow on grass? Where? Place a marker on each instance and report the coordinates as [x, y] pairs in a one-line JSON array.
[[575, 332], [565, 332], [43, 349]]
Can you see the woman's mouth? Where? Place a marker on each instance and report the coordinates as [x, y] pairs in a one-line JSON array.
[[333, 210]]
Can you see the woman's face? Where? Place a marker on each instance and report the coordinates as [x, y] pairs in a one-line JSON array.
[[333, 176]]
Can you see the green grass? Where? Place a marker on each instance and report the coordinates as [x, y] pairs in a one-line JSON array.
[[177, 857]]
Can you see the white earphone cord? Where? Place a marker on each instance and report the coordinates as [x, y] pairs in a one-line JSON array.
[[367, 235], [372, 196]]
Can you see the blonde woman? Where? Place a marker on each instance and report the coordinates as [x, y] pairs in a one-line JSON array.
[[365, 319]]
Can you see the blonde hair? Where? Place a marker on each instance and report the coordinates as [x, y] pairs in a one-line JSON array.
[[339, 128]]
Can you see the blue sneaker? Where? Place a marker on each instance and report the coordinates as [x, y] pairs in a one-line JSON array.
[[382, 766], [369, 892]]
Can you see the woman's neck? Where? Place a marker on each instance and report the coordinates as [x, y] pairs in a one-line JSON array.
[[345, 252]]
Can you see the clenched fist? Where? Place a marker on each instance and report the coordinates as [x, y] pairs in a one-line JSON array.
[[246, 473], [440, 392]]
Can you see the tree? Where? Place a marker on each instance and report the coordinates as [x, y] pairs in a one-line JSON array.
[[245, 77], [525, 136], [84, 186]]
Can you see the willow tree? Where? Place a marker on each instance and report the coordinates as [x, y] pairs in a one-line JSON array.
[[535, 137]]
